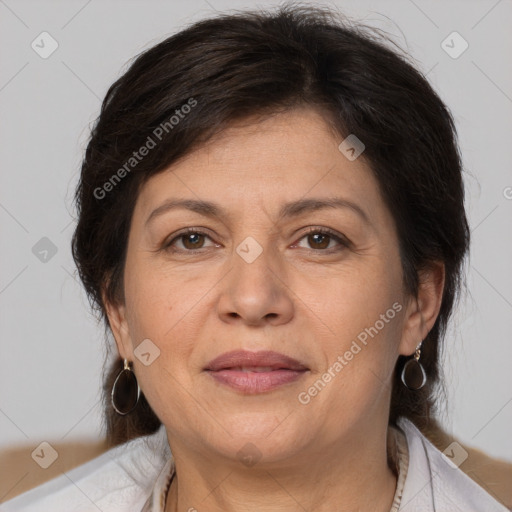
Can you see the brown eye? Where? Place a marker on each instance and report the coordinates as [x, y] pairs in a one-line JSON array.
[[187, 242], [192, 240], [319, 241], [324, 240]]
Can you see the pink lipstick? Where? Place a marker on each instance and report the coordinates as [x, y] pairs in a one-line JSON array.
[[255, 372]]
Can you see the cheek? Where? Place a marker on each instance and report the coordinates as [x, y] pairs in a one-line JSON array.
[[170, 310], [160, 310], [364, 314], [354, 299], [162, 300], [356, 379]]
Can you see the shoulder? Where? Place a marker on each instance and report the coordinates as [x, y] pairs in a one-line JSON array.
[[119, 480], [434, 482]]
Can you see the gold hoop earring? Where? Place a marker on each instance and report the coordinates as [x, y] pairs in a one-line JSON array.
[[125, 391], [413, 373]]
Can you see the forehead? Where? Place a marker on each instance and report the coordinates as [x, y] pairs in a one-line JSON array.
[[266, 163]]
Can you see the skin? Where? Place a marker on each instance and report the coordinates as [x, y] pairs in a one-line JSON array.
[[296, 298]]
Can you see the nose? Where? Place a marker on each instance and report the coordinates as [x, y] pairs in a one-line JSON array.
[[255, 292]]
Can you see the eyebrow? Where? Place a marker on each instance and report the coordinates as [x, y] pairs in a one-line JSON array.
[[288, 210]]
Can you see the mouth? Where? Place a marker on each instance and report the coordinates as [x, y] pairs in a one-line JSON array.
[[255, 372]]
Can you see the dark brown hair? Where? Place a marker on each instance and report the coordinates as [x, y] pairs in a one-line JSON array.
[[263, 62]]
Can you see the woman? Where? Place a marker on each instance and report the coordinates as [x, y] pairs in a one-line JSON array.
[[272, 225]]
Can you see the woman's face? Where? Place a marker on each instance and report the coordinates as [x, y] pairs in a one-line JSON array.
[[270, 270]]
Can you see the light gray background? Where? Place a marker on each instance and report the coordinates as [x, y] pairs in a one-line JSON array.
[[52, 350]]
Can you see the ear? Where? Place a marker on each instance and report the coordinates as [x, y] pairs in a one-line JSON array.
[[116, 314], [422, 311]]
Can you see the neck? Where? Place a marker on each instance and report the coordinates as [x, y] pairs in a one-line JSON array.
[[352, 476]]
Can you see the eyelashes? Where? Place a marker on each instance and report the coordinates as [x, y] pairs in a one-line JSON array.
[[192, 241], [329, 234]]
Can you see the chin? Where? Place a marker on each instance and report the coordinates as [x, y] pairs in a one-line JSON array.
[[265, 433]]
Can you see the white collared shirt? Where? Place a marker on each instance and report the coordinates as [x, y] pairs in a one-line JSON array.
[[135, 476]]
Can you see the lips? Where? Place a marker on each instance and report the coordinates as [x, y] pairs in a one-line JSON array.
[[255, 372], [258, 361]]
